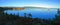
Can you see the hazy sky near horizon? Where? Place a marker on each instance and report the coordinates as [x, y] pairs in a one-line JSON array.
[[37, 3]]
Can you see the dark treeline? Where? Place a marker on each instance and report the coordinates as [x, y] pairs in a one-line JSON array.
[[6, 19]]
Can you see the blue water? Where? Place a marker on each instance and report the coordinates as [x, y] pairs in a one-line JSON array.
[[36, 13]]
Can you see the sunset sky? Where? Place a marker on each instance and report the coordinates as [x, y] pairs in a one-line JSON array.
[[36, 3]]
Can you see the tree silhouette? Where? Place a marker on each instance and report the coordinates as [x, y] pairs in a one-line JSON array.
[[25, 15], [57, 18], [30, 15]]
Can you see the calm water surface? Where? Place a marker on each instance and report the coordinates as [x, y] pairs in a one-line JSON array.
[[36, 13]]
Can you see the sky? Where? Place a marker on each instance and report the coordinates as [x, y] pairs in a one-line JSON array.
[[36, 3]]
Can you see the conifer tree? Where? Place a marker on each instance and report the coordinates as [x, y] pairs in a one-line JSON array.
[[57, 18]]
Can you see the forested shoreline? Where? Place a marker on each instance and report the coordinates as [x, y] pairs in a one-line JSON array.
[[6, 19]]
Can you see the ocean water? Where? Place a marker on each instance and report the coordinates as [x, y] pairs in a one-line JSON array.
[[36, 12]]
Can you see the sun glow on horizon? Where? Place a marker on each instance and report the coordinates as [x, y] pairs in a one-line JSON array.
[[39, 6], [43, 6]]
